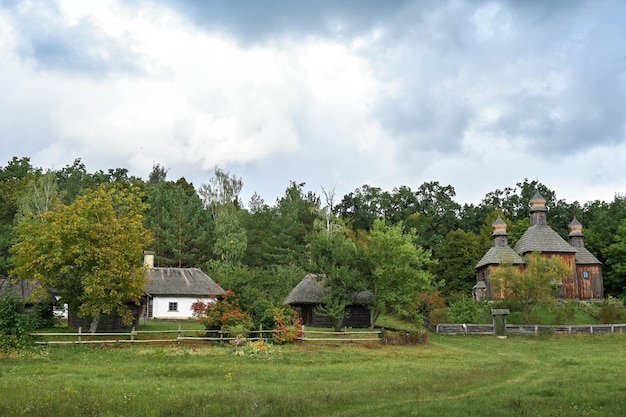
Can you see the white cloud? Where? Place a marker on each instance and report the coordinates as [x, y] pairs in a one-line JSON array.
[[476, 95]]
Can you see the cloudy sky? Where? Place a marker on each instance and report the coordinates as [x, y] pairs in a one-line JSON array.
[[335, 93]]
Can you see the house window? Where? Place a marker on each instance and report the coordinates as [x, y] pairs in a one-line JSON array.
[[173, 307], [585, 274]]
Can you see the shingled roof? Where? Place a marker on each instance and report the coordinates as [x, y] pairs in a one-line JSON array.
[[584, 257], [541, 238], [181, 281], [500, 255]]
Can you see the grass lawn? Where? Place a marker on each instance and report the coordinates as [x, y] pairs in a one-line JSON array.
[[449, 376]]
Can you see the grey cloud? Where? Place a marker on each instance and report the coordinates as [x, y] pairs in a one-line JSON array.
[[254, 21], [447, 73], [81, 48]]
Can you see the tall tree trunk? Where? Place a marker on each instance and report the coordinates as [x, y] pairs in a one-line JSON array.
[[94, 323]]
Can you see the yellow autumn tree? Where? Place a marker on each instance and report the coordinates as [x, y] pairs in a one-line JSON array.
[[536, 284], [90, 251]]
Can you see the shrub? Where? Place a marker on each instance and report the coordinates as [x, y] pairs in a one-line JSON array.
[[565, 313], [256, 349], [438, 315], [288, 327], [15, 326], [426, 302], [611, 310], [222, 315], [466, 310]]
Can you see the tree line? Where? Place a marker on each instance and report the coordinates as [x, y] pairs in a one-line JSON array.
[[393, 243]]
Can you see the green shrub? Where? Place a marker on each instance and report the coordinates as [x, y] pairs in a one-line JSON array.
[[565, 313], [466, 310], [15, 325], [611, 310]]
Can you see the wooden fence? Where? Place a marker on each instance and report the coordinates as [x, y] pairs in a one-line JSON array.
[[180, 335], [453, 329]]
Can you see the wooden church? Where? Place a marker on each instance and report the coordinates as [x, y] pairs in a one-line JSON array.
[[585, 281]]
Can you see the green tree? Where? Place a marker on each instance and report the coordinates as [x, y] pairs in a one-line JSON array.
[[615, 277], [89, 250], [456, 257], [221, 198], [362, 207], [334, 255], [437, 214], [13, 179], [533, 285], [395, 269], [294, 217], [257, 221], [180, 224]]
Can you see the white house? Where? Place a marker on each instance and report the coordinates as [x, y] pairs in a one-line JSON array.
[[170, 292]]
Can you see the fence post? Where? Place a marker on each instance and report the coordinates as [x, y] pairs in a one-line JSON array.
[[260, 332], [179, 333], [132, 334], [79, 332]]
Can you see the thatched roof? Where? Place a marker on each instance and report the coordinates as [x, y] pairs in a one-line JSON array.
[[22, 289], [181, 281], [308, 291], [311, 290]]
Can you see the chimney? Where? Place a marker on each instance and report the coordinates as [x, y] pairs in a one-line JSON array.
[[148, 259]]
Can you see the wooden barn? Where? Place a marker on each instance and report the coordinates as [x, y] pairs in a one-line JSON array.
[[29, 293], [585, 281], [309, 294]]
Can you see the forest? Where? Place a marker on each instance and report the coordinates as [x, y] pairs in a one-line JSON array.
[[394, 243]]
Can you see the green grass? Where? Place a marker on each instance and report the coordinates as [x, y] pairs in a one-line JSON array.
[[450, 376]]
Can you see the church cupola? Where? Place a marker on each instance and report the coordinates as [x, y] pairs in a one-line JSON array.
[[576, 234], [500, 236], [538, 210]]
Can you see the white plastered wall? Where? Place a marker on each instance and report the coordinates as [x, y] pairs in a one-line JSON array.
[[160, 307]]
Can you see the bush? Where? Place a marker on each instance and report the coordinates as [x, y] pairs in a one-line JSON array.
[[222, 315], [466, 310], [288, 327], [611, 310], [15, 326], [565, 313]]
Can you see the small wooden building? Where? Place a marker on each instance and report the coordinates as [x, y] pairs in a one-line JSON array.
[[585, 281], [309, 294], [29, 293]]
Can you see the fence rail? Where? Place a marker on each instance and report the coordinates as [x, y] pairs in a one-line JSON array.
[[454, 329], [180, 335], [345, 336]]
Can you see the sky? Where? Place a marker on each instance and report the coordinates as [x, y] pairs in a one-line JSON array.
[[479, 95]]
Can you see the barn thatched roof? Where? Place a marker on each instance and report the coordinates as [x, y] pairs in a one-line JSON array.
[[22, 289], [312, 288], [181, 281]]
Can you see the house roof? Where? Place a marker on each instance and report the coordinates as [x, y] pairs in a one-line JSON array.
[[181, 281], [541, 238], [311, 290], [308, 291], [584, 257], [21, 289], [499, 255]]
